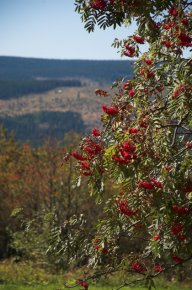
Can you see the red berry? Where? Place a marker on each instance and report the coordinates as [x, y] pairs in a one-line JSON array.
[[98, 4], [97, 247], [138, 39], [146, 184], [104, 250], [156, 237], [184, 21], [112, 110], [137, 267], [130, 51], [168, 168], [96, 132], [173, 11], [77, 156], [160, 88], [177, 259], [142, 71], [131, 92], [158, 268], [133, 130], [176, 229], [167, 43], [83, 284], [148, 61]]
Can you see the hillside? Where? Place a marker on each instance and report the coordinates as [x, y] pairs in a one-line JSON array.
[[35, 128], [103, 71], [27, 115], [47, 98]]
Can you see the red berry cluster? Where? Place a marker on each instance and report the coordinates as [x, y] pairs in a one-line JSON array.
[[177, 230], [185, 40], [130, 49], [126, 153], [78, 156], [123, 208], [148, 61], [173, 11], [111, 110], [150, 184], [176, 26], [96, 132], [138, 267], [139, 39], [91, 148], [102, 93], [180, 210]]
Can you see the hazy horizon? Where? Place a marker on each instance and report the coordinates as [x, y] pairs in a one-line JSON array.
[[71, 59]]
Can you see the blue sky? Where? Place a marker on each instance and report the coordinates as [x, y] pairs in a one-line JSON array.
[[52, 29]]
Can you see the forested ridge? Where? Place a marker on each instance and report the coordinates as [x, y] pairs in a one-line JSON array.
[[40, 126], [18, 68], [17, 88]]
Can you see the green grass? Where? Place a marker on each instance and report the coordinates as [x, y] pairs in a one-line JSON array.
[[98, 287], [34, 287], [59, 286], [30, 276]]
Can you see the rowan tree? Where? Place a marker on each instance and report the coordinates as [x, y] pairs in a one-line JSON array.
[[144, 147]]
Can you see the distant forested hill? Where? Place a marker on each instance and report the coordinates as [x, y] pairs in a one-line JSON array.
[[18, 68], [35, 128], [17, 88], [41, 98]]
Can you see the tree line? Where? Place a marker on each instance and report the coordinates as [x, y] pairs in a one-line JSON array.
[[37, 127], [105, 71], [16, 88]]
